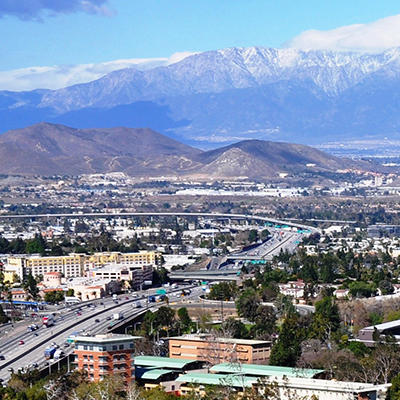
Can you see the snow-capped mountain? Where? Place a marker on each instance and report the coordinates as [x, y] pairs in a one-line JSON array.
[[217, 71], [232, 94]]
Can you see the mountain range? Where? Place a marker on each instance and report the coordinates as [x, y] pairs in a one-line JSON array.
[[232, 94], [50, 149]]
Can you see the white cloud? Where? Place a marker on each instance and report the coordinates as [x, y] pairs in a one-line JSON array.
[[373, 37], [56, 77]]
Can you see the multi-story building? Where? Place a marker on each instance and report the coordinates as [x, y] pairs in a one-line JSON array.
[[70, 266], [140, 258], [135, 273], [216, 350], [103, 355], [74, 265]]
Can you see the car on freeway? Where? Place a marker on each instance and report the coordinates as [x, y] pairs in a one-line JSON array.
[[2, 357], [126, 298], [108, 318], [21, 342], [97, 320], [78, 313]]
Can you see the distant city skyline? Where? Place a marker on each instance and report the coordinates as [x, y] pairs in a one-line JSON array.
[[76, 41]]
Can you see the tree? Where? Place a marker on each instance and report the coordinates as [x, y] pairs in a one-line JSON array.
[[362, 289], [265, 322], [184, 319], [394, 392], [30, 285], [253, 236], [234, 328], [3, 316], [247, 304], [36, 245], [386, 287], [223, 291], [54, 296], [160, 276], [326, 319], [287, 349], [70, 292]]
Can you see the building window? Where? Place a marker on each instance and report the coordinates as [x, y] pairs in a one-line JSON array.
[[115, 347], [121, 346]]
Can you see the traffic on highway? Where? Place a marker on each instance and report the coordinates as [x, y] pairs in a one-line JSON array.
[[29, 345]]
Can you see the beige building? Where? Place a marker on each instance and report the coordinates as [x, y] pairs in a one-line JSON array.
[[74, 265], [217, 350], [52, 279], [89, 289], [140, 258], [69, 266]]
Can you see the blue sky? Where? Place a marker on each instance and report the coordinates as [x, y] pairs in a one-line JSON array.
[[72, 33], [158, 28]]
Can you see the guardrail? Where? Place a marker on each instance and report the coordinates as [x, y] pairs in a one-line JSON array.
[[81, 320]]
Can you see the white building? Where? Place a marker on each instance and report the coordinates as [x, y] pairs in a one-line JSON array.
[[136, 273]]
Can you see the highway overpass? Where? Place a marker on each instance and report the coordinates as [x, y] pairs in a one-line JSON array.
[[163, 214]]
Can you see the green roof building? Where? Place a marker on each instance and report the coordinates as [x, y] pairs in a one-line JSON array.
[[255, 370]]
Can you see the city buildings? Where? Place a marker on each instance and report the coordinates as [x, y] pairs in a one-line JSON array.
[[69, 266], [108, 354], [215, 350], [74, 265], [137, 274]]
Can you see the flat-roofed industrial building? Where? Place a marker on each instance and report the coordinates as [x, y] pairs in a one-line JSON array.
[[216, 350]]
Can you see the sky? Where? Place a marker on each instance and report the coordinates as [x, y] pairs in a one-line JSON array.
[[54, 43]]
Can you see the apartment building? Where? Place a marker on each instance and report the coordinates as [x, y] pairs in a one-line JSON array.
[[217, 350], [74, 265], [70, 266], [140, 258], [103, 355]]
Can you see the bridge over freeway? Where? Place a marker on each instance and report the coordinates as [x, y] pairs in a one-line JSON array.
[[163, 214], [206, 275]]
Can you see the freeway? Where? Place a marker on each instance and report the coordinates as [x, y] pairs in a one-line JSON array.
[[163, 214], [93, 319], [280, 241]]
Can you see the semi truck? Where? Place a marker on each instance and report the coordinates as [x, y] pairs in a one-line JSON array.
[[48, 321], [117, 316], [49, 352], [58, 354]]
